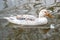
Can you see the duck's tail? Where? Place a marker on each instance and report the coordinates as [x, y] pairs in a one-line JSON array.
[[6, 18]]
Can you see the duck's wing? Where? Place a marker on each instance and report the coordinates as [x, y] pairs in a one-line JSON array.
[[29, 16], [26, 17], [29, 21]]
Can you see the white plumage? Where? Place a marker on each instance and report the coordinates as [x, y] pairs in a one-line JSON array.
[[30, 19]]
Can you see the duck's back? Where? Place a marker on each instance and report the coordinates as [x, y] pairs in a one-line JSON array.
[[29, 16]]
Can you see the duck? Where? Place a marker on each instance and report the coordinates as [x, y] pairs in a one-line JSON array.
[[30, 19]]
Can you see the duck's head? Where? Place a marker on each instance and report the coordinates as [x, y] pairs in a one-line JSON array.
[[45, 13]]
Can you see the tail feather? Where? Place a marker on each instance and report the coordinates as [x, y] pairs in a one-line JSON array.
[[6, 17]]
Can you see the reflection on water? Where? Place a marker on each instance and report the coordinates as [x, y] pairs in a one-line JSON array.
[[18, 32], [11, 31]]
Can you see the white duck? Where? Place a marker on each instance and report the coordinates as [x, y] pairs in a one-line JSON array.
[[30, 19]]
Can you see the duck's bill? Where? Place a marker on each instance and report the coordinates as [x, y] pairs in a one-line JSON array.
[[49, 15]]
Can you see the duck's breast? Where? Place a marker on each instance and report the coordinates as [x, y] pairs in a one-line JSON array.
[[41, 21]]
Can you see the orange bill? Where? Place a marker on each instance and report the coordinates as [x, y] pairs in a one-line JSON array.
[[49, 15]]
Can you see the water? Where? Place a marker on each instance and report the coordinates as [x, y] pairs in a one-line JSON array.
[[20, 2], [9, 31]]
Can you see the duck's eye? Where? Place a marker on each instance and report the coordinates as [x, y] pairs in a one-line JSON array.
[[45, 12]]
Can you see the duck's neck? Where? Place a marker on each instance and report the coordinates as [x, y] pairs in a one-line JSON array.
[[40, 16]]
